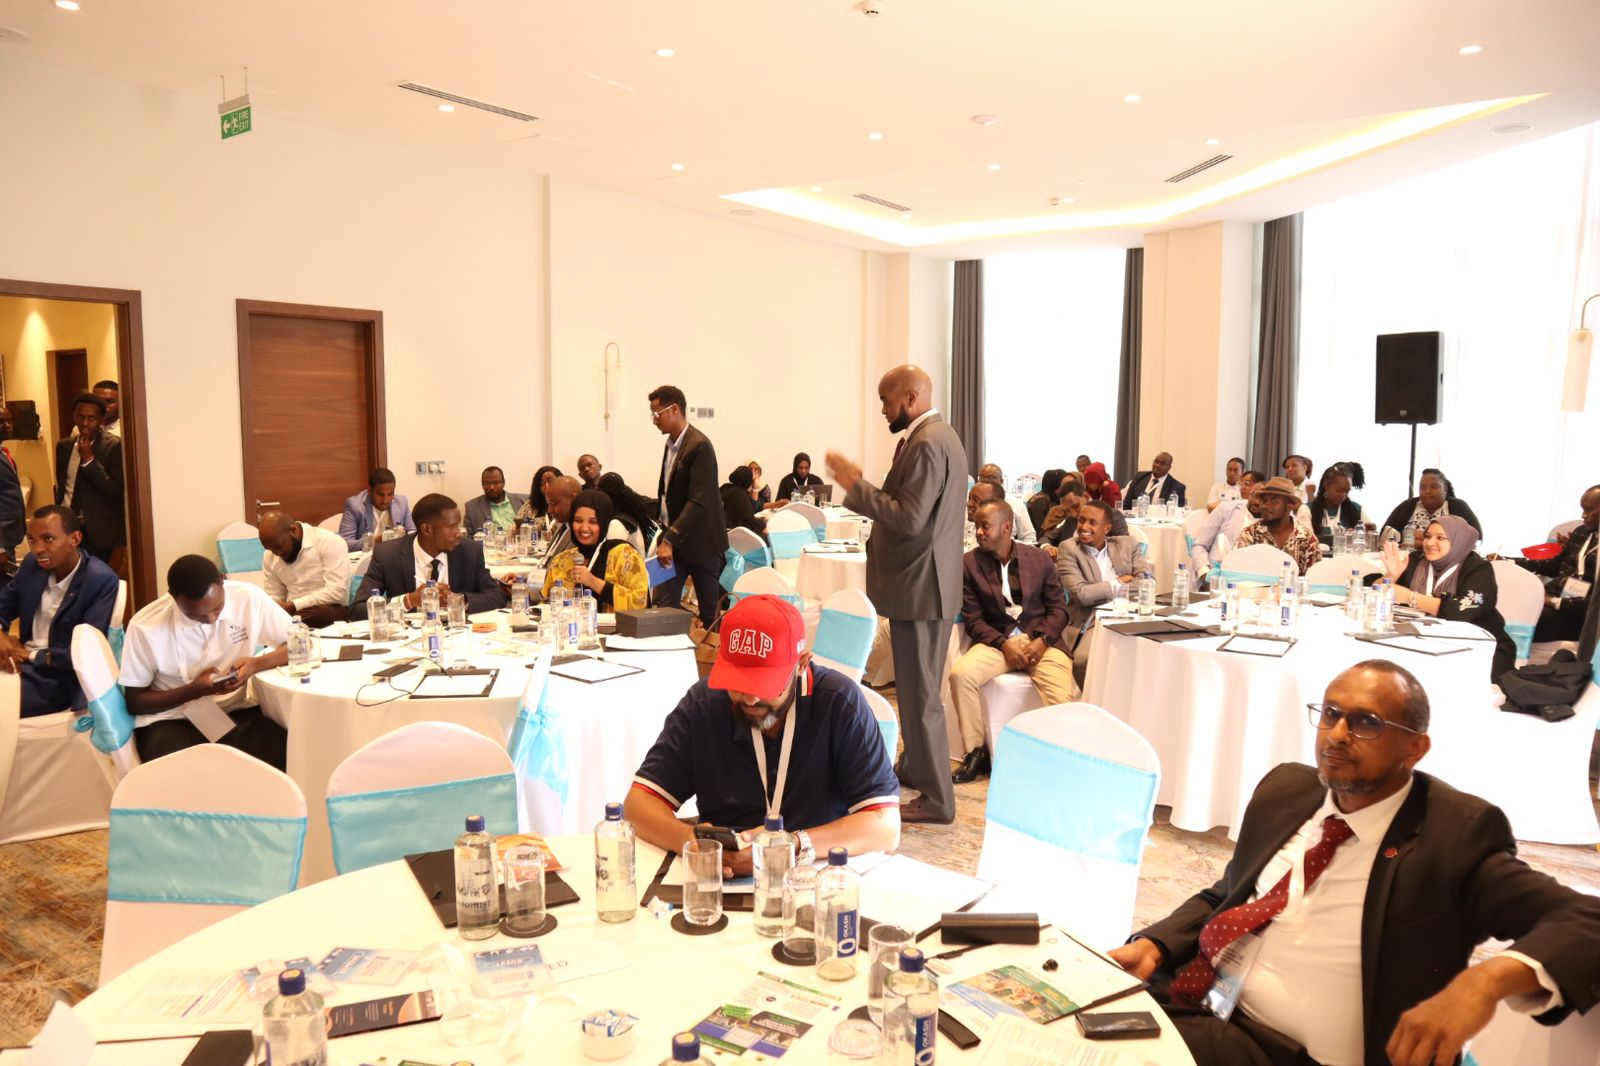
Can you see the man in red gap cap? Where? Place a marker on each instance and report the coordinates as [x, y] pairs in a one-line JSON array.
[[769, 732]]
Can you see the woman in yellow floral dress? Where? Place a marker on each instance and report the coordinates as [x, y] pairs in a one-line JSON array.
[[607, 565]]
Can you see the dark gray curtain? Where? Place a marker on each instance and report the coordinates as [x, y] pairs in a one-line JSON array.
[[966, 361], [1126, 462], [1279, 353]]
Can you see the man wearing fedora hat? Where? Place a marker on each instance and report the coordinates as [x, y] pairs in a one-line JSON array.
[[1279, 501]]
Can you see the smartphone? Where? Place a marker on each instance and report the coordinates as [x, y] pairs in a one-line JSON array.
[[228, 678], [1118, 1025], [729, 840]]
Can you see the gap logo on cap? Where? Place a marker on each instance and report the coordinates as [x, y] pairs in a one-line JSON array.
[[750, 642]]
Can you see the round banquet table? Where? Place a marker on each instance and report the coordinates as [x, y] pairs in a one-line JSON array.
[[1219, 721], [1167, 546], [608, 726], [668, 981], [822, 573]]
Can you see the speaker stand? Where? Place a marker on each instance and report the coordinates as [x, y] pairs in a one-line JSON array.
[[1411, 472]]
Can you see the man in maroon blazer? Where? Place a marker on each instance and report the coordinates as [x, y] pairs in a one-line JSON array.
[[1014, 611]]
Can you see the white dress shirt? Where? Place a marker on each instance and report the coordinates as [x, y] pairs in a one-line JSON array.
[[74, 461], [425, 564], [319, 575], [1153, 488], [1306, 979], [1102, 558], [1021, 520], [667, 463], [49, 603], [1220, 491], [1230, 517]]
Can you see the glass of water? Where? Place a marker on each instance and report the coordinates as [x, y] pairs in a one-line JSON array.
[[702, 885], [1120, 606], [457, 611], [883, 958], [800, 913], [525, 904]]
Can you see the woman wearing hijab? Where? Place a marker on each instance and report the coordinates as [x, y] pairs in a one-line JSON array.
[[1097, 485], [737, 507], [760, 491], [1447, 579], [631, 510], [537, 510], [1435, 497], [601, 558], [798, 479]]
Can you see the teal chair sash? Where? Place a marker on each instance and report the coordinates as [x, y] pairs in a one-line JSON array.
[[162, 856]]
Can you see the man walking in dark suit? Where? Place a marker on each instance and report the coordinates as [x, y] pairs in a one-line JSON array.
[[438, 553], [1158, 483], [13, 510], [694, 532], [1343, 926], [89, 478], [914, 573]]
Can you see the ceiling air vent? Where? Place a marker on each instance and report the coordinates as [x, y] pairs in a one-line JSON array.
[[881, 202], [1185, 175], [467, 101]]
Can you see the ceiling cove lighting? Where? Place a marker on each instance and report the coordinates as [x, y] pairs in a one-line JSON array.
[[1469, 49], [677, 166], [1132, 98], [874, 136], [69, 5], [795, 204], [666, 53], [447, 108]]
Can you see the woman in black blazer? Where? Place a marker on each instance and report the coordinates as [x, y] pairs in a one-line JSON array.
[[1447, 579], [1435, 496]]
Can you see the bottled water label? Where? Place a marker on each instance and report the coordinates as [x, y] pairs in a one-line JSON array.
[[845, 932], [924, 1035]]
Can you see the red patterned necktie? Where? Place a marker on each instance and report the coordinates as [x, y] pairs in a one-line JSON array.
[[1195, 979], [899, 447]]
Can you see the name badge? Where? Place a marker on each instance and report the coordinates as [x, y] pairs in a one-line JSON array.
[[1233, 965], [1575, 589]]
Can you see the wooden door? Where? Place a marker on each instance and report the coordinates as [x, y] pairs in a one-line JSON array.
[[71, 381], [310, 405]]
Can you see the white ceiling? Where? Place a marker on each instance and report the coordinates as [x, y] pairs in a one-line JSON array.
[[781, 94]]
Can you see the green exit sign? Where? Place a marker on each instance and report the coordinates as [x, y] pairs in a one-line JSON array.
[[235, 116]]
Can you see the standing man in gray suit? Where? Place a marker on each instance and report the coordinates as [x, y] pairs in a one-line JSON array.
[[914, 573], [1091, 566]]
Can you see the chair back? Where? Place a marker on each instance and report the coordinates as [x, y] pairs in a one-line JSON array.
[[813, 515], [1520, 599], [1070, 801], [118, 630], [331, 523], [239, 549], [54, 782], [766, 581], [196, 836], [1256, 562], [1332, 575], [111, 726], [789, 532], [411, 790], [10, 723], [888, 724], [1561, 529], [746, 552], [845, 632]]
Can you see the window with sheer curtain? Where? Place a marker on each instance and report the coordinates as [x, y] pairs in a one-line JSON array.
[[1496, 254], [1052, 335]]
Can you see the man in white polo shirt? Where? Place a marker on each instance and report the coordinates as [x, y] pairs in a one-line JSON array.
[[188, 659], [307, 569]]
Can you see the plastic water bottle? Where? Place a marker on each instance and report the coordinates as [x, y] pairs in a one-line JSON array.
[[558, 592], [616, 896], [1230, 608], [299, 646], [477, 895], [685, 1048], [910, 1012], [568, 620], [1214, 580], [1358, 540], [1288, 606], [1147, 594], [519, 600], [771, 855], [588, 621], [433, 636], [1352, 596], [838, 918], [292, 1023], [1290, 572], [1386, 606], [430, 601], [1180, 589], [378, 615]]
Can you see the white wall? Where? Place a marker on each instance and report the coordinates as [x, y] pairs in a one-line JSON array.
[[151, 199]]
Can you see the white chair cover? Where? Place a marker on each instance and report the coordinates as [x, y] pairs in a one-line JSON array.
[[1256, 562], [766, 581], [789, 532], [845, 632], [1070, 802], [813, 515], [331, 523], [357, 573], [888, 724], [196, 836], [1560, 528], [411, 790], [746, 552], [1333, 574], [1003, 698], [96, 666], [239, 552], [56, 783], [1520, 600]]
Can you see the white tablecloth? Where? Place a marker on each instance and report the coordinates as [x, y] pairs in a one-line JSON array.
[[1220, 721], [669, 981], [1168, 548], [823, 573], [610, 726]]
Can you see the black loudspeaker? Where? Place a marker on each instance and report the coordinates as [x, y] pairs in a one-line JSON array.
[[1407, 384], [24, 420]]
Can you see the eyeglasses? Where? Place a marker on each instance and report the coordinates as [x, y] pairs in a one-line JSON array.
[[655, 416], [1363, 725]]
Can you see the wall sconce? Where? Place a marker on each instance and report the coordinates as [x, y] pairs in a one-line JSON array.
[[1580, 347]]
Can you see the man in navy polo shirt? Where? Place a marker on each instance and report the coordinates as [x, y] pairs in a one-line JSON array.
[[770, 731]]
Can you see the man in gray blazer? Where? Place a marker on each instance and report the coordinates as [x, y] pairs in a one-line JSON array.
[[496, 504], [1091, 565], [914, 573]]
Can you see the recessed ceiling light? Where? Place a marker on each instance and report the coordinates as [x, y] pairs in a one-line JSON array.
[[666, 53], [985, 120], [874, 136], [1213, 140], [1060, 201], [447, 108], [1132, 98], [816, 188], [1470, 49], [677, 166], [994, 166], [68, 5]]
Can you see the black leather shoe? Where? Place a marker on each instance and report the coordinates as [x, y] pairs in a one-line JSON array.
[[916, 812], [983, 765], [968, 770]]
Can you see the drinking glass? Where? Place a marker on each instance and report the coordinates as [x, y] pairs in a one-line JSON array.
[[1339, 543], [1369, 610], [883, 958], [397, 617], [457, 611], [1120, 606], [800, 913], [525, 908], [702, 886]]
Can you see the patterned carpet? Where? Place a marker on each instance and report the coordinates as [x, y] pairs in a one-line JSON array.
[[52, 897]]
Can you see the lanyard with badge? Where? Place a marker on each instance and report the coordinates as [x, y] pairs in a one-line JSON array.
[[775, 804], [1235, 961], [1575, 587]]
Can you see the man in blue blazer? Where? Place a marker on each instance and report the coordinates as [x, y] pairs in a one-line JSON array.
[[436, 552], [361, 510], [60, 586]]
